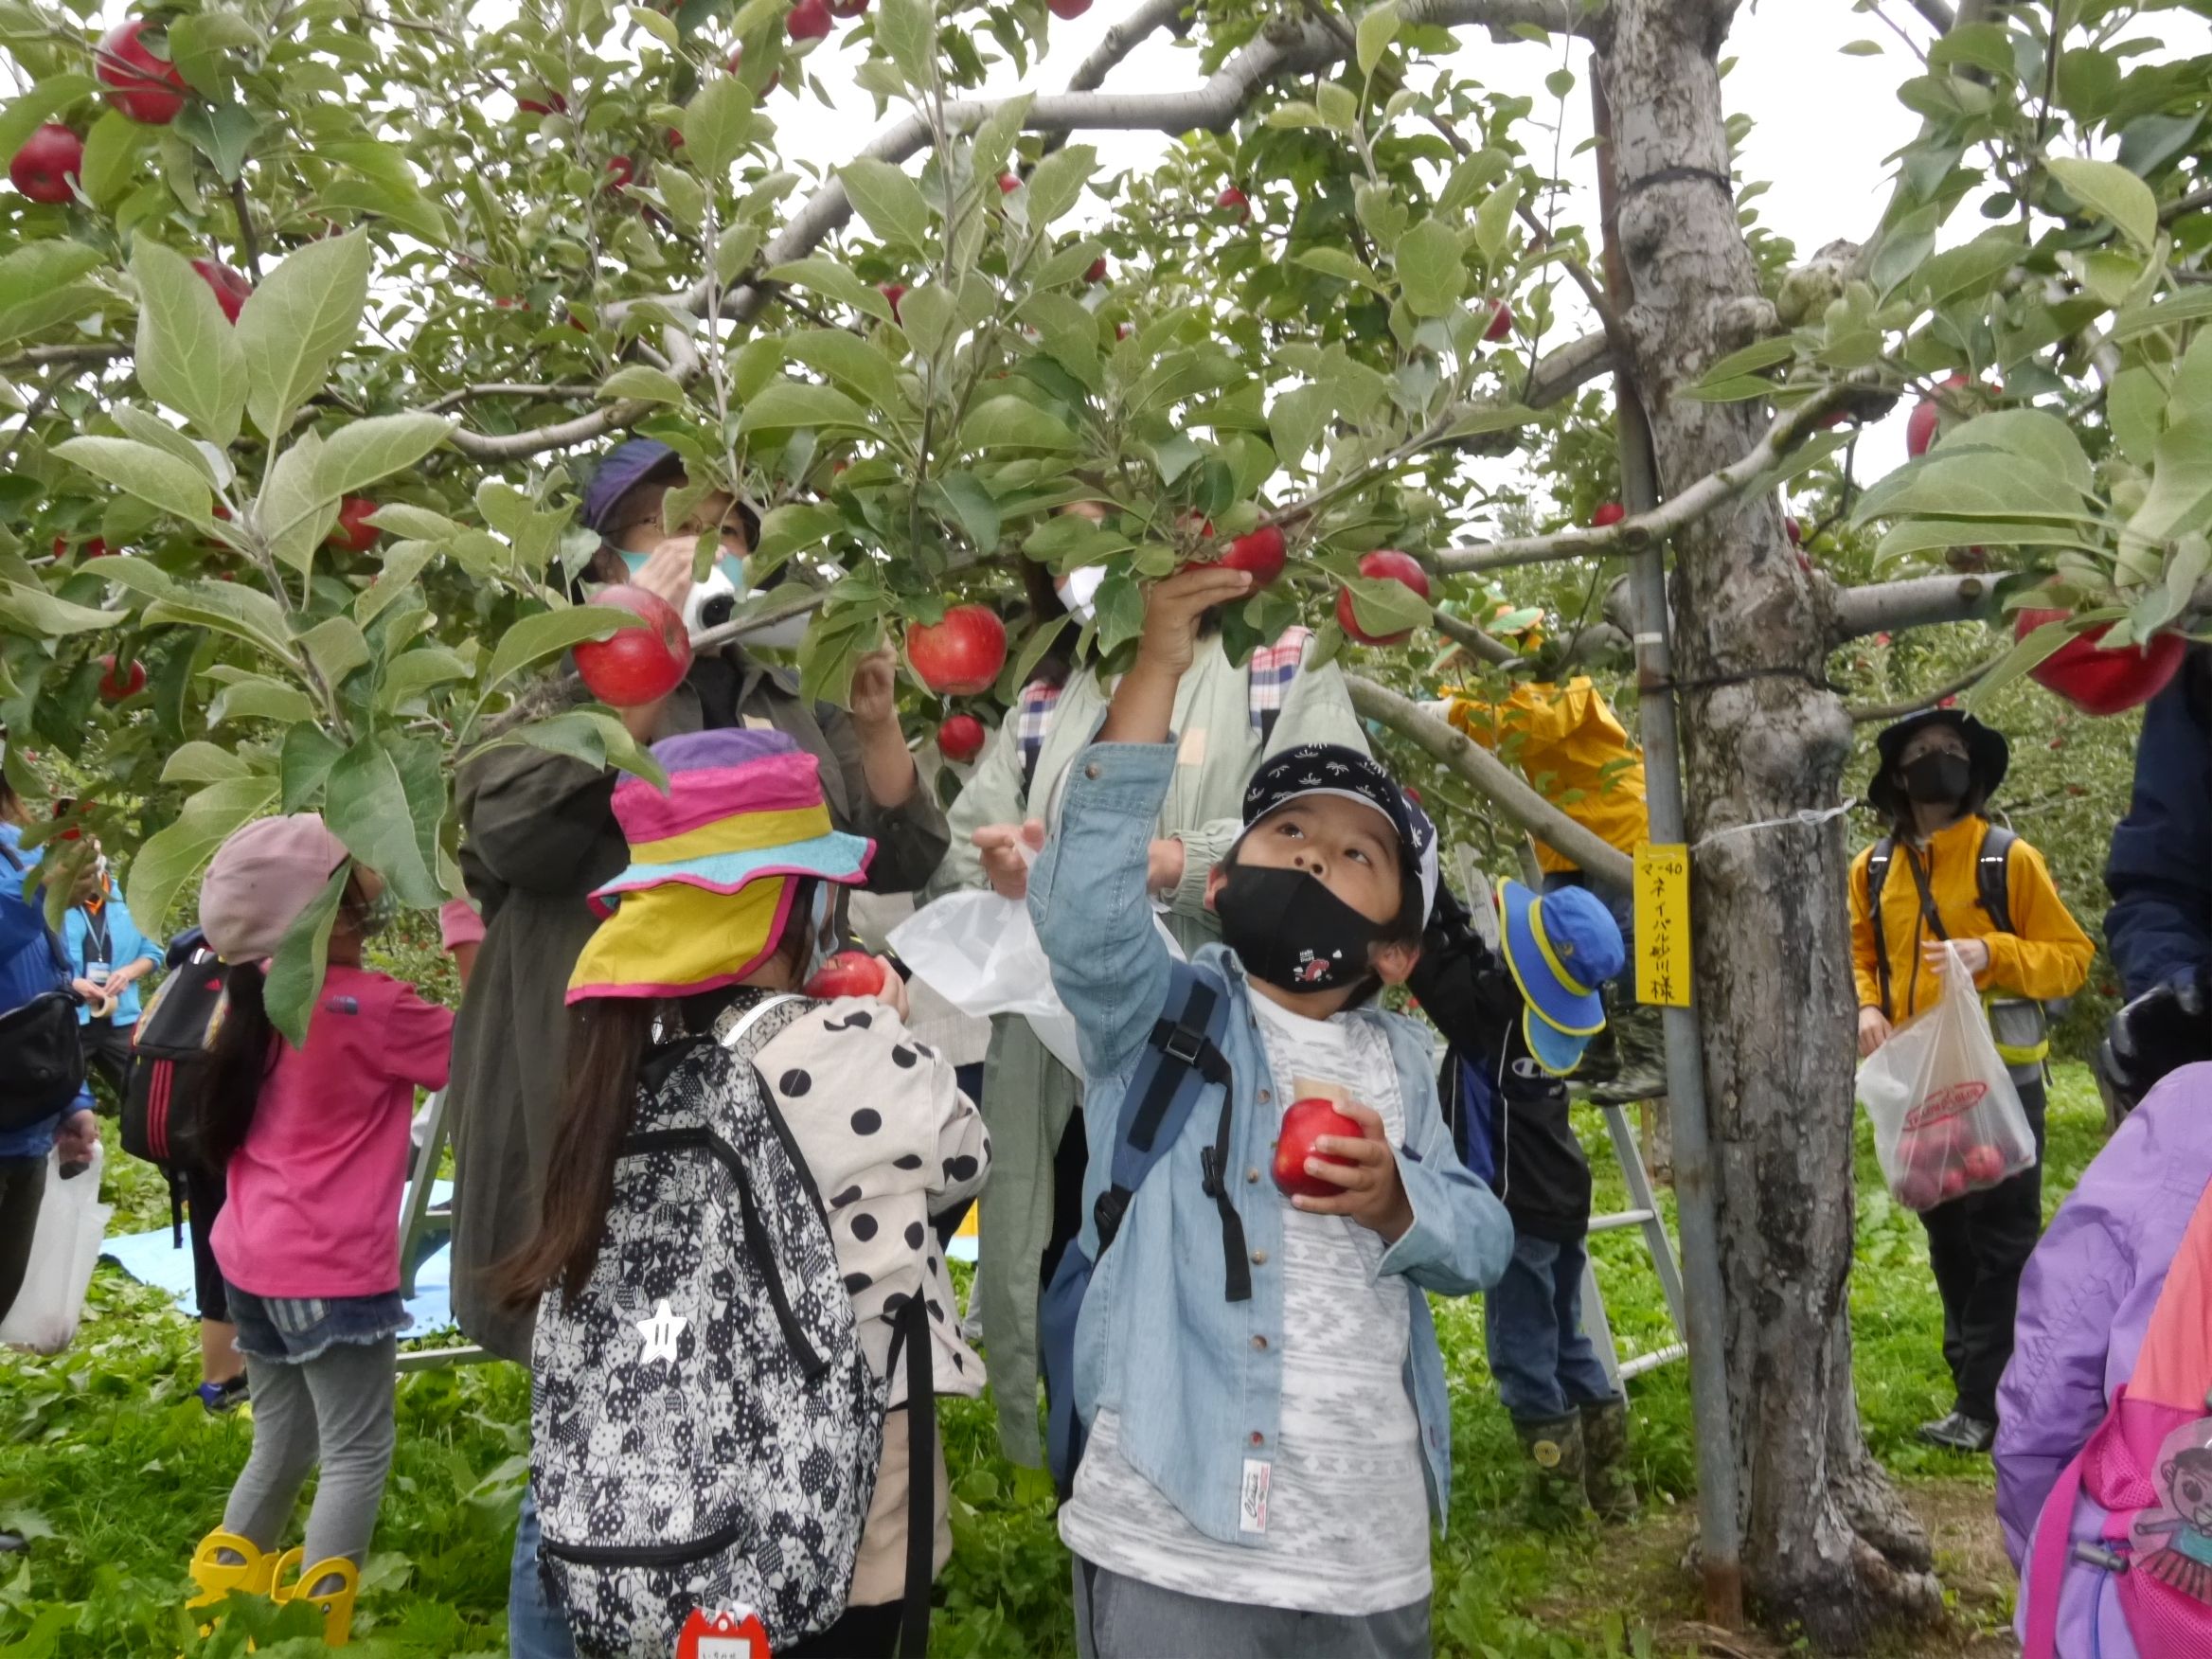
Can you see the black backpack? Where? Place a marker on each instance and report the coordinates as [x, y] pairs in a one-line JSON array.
[[165, 1099], [42, 1057]]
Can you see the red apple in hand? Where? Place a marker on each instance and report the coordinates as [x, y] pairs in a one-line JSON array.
[[353, 532], [1260, 552], [1387, 564], [1501, 322], [806, 21], [1306, 1122], [117, 685], [231, 287], [960, 738], [636, 666], [848, 974], [1611, 513], [48, 163], [146, 88], [2102, 681], [961, 655]]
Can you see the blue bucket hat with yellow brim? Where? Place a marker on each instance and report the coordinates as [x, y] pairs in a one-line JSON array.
[[1560, 947]]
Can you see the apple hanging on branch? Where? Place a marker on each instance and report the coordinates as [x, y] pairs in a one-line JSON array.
[[231, 288], [147, 89], [636, 666], [2097, 681], [353, 533], [1384, 564], [960, 739], [960, 656], [119, 685], [47, 168]]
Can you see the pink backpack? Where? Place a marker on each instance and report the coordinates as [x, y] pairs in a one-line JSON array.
[[2148, 1466]]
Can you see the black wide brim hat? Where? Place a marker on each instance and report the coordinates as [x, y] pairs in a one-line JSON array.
[[1988, 756]]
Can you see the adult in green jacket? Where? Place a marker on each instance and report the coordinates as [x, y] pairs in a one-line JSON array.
[[1227, 720], [540, 834]]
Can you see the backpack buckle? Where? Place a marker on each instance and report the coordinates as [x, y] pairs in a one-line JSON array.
[[1209, 1164], [1182, 1045], [1112, 1205]]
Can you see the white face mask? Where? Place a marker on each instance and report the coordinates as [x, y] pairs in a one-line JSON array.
[[1078, 591]]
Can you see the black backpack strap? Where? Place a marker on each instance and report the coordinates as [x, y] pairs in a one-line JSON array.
[[1992, 871], [1878, 863], [912, 1335]]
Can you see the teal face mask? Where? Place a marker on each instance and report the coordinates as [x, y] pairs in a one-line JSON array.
[[715, 600]]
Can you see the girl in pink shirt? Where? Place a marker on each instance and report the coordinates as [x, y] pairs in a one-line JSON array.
[[313, 1143]]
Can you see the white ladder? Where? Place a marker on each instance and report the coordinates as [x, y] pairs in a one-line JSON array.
[[420, 1219]]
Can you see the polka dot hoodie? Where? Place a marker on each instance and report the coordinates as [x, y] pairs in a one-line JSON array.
[[890, 1141]]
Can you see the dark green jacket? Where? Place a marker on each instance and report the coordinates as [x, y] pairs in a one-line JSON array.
[[538, 833]]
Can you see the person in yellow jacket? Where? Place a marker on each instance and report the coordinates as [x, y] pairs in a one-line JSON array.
[[1946, 872], [1571, 746]]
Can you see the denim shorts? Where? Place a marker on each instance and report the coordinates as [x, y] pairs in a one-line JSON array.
[[294, 1330]]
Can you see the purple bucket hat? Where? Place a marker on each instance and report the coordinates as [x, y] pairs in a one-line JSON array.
[[635, 461]]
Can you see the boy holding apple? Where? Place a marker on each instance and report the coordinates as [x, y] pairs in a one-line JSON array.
[[1269, 1435]]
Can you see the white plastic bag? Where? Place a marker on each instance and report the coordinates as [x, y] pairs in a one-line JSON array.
[[63, 1252], [1947, 1118]]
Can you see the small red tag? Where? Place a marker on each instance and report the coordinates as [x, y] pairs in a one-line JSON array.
[[727, 1632]]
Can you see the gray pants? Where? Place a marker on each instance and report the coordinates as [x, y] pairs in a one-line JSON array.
[[1118, 1617], [334, 1409]]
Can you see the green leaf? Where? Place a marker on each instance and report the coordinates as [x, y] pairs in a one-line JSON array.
[[1430, 271], [1012, 423], [304, 312], [925, 314], [174, 855], [2110, 192], [1339, 105], [889, 201], [844, 356], [50, 307], [1471, 178], [1295, 420], [257, 697], [140, 470], [1860, 50], [715, 124], [1339, 264], [1751, 358], [197, 42], [796, 404], [337, 647], [2191, 306], [1056, 181], [1559, 82], [645, 382], [362, 451], [295, 974], [228, 607], [1385, 607], [416, 524], [415, 671], [366, 803], [188, 354], [224, 132], [35, 612], [825, 275], [663, 28], [970, 503], [794, 527], [2028, 654], [907, 31], [295, 512], [111, 150], [548, 633], [1986, 46], [1377, 29], [1968, 272], [203, 762], [1494, 220], [304, 764], [40, 267], [595, 738]]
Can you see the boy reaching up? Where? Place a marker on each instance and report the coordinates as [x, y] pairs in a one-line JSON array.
[[1269, 1437]]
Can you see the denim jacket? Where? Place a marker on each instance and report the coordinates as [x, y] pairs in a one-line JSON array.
[[1197, 1379]]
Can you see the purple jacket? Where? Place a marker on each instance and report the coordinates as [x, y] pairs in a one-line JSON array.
[[2085, 1303]]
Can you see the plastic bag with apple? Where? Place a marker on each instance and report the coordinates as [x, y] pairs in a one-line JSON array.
[[1947, 1118]]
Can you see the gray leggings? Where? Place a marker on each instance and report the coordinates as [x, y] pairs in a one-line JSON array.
[[336, 1409]]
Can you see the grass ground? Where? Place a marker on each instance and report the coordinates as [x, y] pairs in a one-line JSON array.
[[111, 1469]]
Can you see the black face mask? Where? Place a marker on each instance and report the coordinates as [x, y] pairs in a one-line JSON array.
[[1290, 930], [1937, 778]]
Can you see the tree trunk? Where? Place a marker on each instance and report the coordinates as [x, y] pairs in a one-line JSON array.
[[1826, 1541]]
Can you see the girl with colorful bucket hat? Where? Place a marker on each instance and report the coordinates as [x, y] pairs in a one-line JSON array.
[[719, 917], [313, 1145]]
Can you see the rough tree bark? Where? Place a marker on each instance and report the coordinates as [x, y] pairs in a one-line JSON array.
[[1826, 1542]]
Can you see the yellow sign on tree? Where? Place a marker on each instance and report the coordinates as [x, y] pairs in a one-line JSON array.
[[1663, 966]]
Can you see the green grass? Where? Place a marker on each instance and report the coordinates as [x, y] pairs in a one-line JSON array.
[[108, 1463]]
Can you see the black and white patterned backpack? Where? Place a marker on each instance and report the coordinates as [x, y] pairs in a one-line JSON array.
[[706, 1429]]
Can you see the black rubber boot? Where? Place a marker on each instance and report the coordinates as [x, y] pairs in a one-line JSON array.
[[1605, 1460], [1555, 1497]]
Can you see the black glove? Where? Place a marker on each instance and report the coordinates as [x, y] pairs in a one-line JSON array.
[[2160, 1031]]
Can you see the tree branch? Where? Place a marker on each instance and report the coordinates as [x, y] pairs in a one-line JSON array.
[[452, 400], [1493, 778], [1863, 713], [1915, 602], [1937, 12], [1632, 535]]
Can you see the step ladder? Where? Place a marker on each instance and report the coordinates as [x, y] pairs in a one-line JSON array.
[[1643, 1211], [422, 1223]]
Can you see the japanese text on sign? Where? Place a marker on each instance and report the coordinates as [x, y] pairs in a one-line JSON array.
[[1663, 964]]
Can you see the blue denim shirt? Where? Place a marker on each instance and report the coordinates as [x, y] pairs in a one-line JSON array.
[[28, 966], [1199, 1395]]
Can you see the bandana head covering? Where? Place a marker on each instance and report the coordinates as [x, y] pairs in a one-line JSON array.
[[712, 863]]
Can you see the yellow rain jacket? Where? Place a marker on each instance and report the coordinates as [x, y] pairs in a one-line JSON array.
[[2047, 956], [1575, 753]]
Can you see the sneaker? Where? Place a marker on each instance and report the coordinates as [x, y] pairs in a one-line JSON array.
[[1957, 1432], [220, 1398]]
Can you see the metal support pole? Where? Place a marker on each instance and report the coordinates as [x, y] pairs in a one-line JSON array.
[[1696, 1198]]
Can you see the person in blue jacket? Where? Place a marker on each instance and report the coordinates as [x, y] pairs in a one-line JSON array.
[[30, 964], [2159, 928], [108, 957]]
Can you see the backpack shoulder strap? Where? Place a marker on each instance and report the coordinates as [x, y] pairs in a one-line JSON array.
[[1992, 885], [750, 1018], [1878, 862], [1181, 1060]]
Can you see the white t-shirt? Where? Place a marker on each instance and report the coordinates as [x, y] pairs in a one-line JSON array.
[[1348, 1515]]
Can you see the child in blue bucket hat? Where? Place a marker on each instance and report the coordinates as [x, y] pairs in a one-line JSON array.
[[1518, 1017]]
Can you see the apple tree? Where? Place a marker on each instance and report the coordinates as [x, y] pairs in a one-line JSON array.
[[334, 301]]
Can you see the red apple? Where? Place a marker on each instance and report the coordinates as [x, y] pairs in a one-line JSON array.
[[47, 165], [1098, 271], [1258, 551], [634, 666], [146, 88], [894, 292], [1954, 1183], [1306, 1122], [1388, 564], [960, 739], [620, 170], [1918, 1189], [96, 548], [806, 21], [231, 287], [1611, 513], [1983, 1164], [353, 532], [1501, 321], [848, 974], [961, 655], [1067, 10], [546, 103], [1233, 201], [2101, 681], [1008, 183], [1794, 530], [115, 686], [1122, 331]]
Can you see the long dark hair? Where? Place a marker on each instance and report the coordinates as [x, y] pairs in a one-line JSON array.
[[246, 1047], [608, 1037]]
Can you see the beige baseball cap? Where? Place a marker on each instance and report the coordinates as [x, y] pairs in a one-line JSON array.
[[262, 880]]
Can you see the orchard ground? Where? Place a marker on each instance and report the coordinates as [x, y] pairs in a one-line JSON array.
[[109, 1466]]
